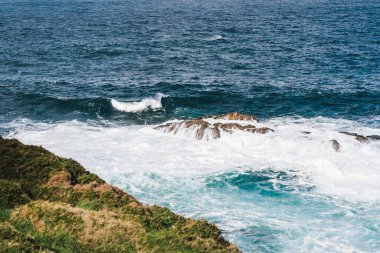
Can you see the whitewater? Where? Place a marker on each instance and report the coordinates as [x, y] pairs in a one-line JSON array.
[[139, 106], [291, 186]]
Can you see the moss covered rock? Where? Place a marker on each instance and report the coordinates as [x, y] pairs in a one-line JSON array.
[[52, 204]]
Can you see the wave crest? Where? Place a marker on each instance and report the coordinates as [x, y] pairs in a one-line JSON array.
[[143, 105], [215, 37]]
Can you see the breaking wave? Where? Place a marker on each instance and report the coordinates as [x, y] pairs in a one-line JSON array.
[[215, 37], [139, 106]]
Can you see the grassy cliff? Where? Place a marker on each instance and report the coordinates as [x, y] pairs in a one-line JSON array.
[[52, 204]]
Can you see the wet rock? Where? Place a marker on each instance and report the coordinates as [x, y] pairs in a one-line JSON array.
[[358, 137], [305, 132], [207, 130], [232, 116], [348, 133], [215, 133], [200, 125], [374, 137], [335, 144], [168, 127], [362, 138], [230, 126], [263, 130]]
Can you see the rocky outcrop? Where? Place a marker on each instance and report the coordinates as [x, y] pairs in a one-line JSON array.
[[214, 126], [200, 127], [205, 129], [335, 145], [232, 116], [362, 138], [52, 204]]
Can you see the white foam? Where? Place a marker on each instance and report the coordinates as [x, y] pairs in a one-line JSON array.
[[340, 214], [216, 37], [143, 105], [353, 173]]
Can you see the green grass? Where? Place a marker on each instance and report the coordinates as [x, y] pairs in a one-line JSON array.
[[52, 204]]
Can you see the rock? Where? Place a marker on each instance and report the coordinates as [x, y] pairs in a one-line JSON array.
[[231, 126], [348, 133], [263, 130], [207, 130], [232, 116], [305, 132], [374, 137], [198, 124], [358, 137], [362, 138], [215, 133], [335, 144]]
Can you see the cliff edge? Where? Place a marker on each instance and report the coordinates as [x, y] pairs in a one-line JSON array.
[[52, 204]]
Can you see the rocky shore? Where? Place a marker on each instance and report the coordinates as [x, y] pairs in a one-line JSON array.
[[52, 204], [212, 127]]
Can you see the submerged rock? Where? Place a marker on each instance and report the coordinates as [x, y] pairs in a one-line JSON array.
[[362, 138], [52, 204], [335, 144], [212, 130]]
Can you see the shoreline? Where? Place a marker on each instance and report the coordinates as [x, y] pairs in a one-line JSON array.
[[53, 204]]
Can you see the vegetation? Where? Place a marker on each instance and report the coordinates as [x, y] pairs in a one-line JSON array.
[[52, 204]]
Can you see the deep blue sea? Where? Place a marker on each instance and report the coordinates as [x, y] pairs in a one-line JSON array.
[[90, 80]]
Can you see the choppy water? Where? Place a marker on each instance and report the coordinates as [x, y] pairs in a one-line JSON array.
[[88, 79]]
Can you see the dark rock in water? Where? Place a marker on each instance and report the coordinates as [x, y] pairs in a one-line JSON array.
[[335, 144], [374, 137], [263, 130], [227, 127], [305, 132], [348, 133], [230, 126], [358, 137], [200, 125], [232, 116], [204, 129], [215, 133], [362, 138]]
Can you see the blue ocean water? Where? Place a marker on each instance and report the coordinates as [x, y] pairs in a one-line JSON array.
[[88, 79]]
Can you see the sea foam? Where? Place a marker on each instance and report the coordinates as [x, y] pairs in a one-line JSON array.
[[353, 173], [282, 192], [215, 37]]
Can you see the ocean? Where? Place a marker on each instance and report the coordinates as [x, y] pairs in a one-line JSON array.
[[90, 80]]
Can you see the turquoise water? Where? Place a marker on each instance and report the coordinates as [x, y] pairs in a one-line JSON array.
[[89, 79]]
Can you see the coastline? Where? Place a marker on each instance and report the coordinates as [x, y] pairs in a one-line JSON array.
[[52, 204]]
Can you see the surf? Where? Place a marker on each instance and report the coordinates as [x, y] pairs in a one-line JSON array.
[[290, 186], [152, 103]]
